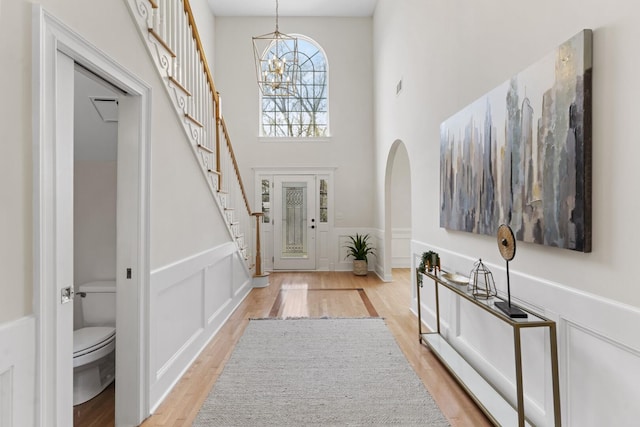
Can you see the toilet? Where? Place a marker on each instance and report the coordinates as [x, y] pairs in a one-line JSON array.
[[94, 344]]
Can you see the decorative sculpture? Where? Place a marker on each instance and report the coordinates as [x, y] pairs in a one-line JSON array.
[[482, 285], [507, 248]]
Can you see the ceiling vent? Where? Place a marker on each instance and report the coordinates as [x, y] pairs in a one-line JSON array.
[[107, 108]]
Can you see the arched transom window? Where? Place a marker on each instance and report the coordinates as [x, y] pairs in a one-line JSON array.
[[305, 114]]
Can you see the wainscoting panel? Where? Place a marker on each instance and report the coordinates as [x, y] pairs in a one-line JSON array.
[[598, 346], [322, 239], [17, 372], [344, 263], [176, 326], [342, 239], [217, 288], [401, 248], [488, 343], [239, 281], [6, 397], [189, 302], [600, 370]]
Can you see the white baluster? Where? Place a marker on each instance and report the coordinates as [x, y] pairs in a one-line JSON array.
[[156, 18], [162, 30], [179, 48], [171, 19]]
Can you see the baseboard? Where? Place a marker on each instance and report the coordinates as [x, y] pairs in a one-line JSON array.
[[17, 372], [401, 248], [598, 345], [190, 301], [400, 262]]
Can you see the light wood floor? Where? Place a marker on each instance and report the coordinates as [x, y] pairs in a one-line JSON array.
[[307, 294]]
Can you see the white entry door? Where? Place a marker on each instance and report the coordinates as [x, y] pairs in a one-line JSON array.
[[295, 222]]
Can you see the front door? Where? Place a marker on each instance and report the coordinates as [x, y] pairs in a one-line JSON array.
[[295, 222]]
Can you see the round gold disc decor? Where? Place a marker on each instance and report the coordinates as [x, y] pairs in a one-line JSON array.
[[507, 248], [506, 242]]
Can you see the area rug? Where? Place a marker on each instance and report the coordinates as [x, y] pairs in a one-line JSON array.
[[318, 372]]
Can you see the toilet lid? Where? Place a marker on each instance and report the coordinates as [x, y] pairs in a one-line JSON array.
[[86, 338]]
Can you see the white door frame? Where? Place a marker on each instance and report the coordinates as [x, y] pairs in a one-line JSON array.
[[326, 255], [51, 37]]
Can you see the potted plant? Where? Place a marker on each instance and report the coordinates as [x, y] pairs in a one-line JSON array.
[[359, 248], [428, 262]]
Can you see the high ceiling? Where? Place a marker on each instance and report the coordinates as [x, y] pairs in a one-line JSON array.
[[342, 8]]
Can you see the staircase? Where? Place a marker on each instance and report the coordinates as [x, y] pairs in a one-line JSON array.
[[169, 31]]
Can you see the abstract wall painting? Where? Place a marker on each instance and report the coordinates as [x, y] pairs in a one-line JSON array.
[[521, 154]]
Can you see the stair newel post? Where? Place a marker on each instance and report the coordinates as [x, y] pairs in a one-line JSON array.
[[218, 151], [258, 216]]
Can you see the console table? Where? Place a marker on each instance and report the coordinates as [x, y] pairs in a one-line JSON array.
[[493, 404]]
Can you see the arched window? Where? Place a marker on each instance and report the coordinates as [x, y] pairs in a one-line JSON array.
[[305, 114]]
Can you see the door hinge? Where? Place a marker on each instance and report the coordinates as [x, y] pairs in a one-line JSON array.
[[128, 273]]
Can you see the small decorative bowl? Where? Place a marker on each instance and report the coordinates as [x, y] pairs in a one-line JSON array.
[[458, 279]]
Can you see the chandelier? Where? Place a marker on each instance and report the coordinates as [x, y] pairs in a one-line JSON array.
[[276, 57]]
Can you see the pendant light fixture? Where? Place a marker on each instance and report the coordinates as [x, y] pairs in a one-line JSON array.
[[276, 57]]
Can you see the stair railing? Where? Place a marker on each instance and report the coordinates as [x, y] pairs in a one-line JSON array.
[[172, 29]]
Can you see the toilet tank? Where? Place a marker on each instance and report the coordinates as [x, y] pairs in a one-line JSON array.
[[98, 300]]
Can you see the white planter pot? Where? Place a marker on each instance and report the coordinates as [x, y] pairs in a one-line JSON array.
[[360, 267]]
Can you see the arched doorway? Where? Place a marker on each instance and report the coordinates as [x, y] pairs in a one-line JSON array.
[[397, 209]]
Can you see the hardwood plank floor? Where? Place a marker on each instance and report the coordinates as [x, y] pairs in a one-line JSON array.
[[315, 294], [98, 412]]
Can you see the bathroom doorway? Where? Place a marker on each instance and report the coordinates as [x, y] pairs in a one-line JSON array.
[[95, 140], [58, 51]]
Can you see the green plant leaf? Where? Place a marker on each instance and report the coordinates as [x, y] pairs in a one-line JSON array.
[[359, 247]]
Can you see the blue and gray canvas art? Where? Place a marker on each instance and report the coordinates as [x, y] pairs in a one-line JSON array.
[[521, 154]]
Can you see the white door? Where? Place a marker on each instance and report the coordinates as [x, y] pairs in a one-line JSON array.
[[130, 267], [295, 222], [64, 237]]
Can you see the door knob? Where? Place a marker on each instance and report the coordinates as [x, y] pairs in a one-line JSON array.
[[66, 295]]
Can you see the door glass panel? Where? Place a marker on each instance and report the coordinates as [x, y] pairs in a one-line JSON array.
[[294, 220], [324, 203], [266, 201]]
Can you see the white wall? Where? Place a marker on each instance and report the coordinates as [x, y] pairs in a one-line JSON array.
[[15, 163], [206, 23], [401, 190], [401, 209], [347, 44], [451, 53], [184, 220], [94, 221]]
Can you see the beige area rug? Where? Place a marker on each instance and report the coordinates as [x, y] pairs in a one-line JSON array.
[[318, 372]]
